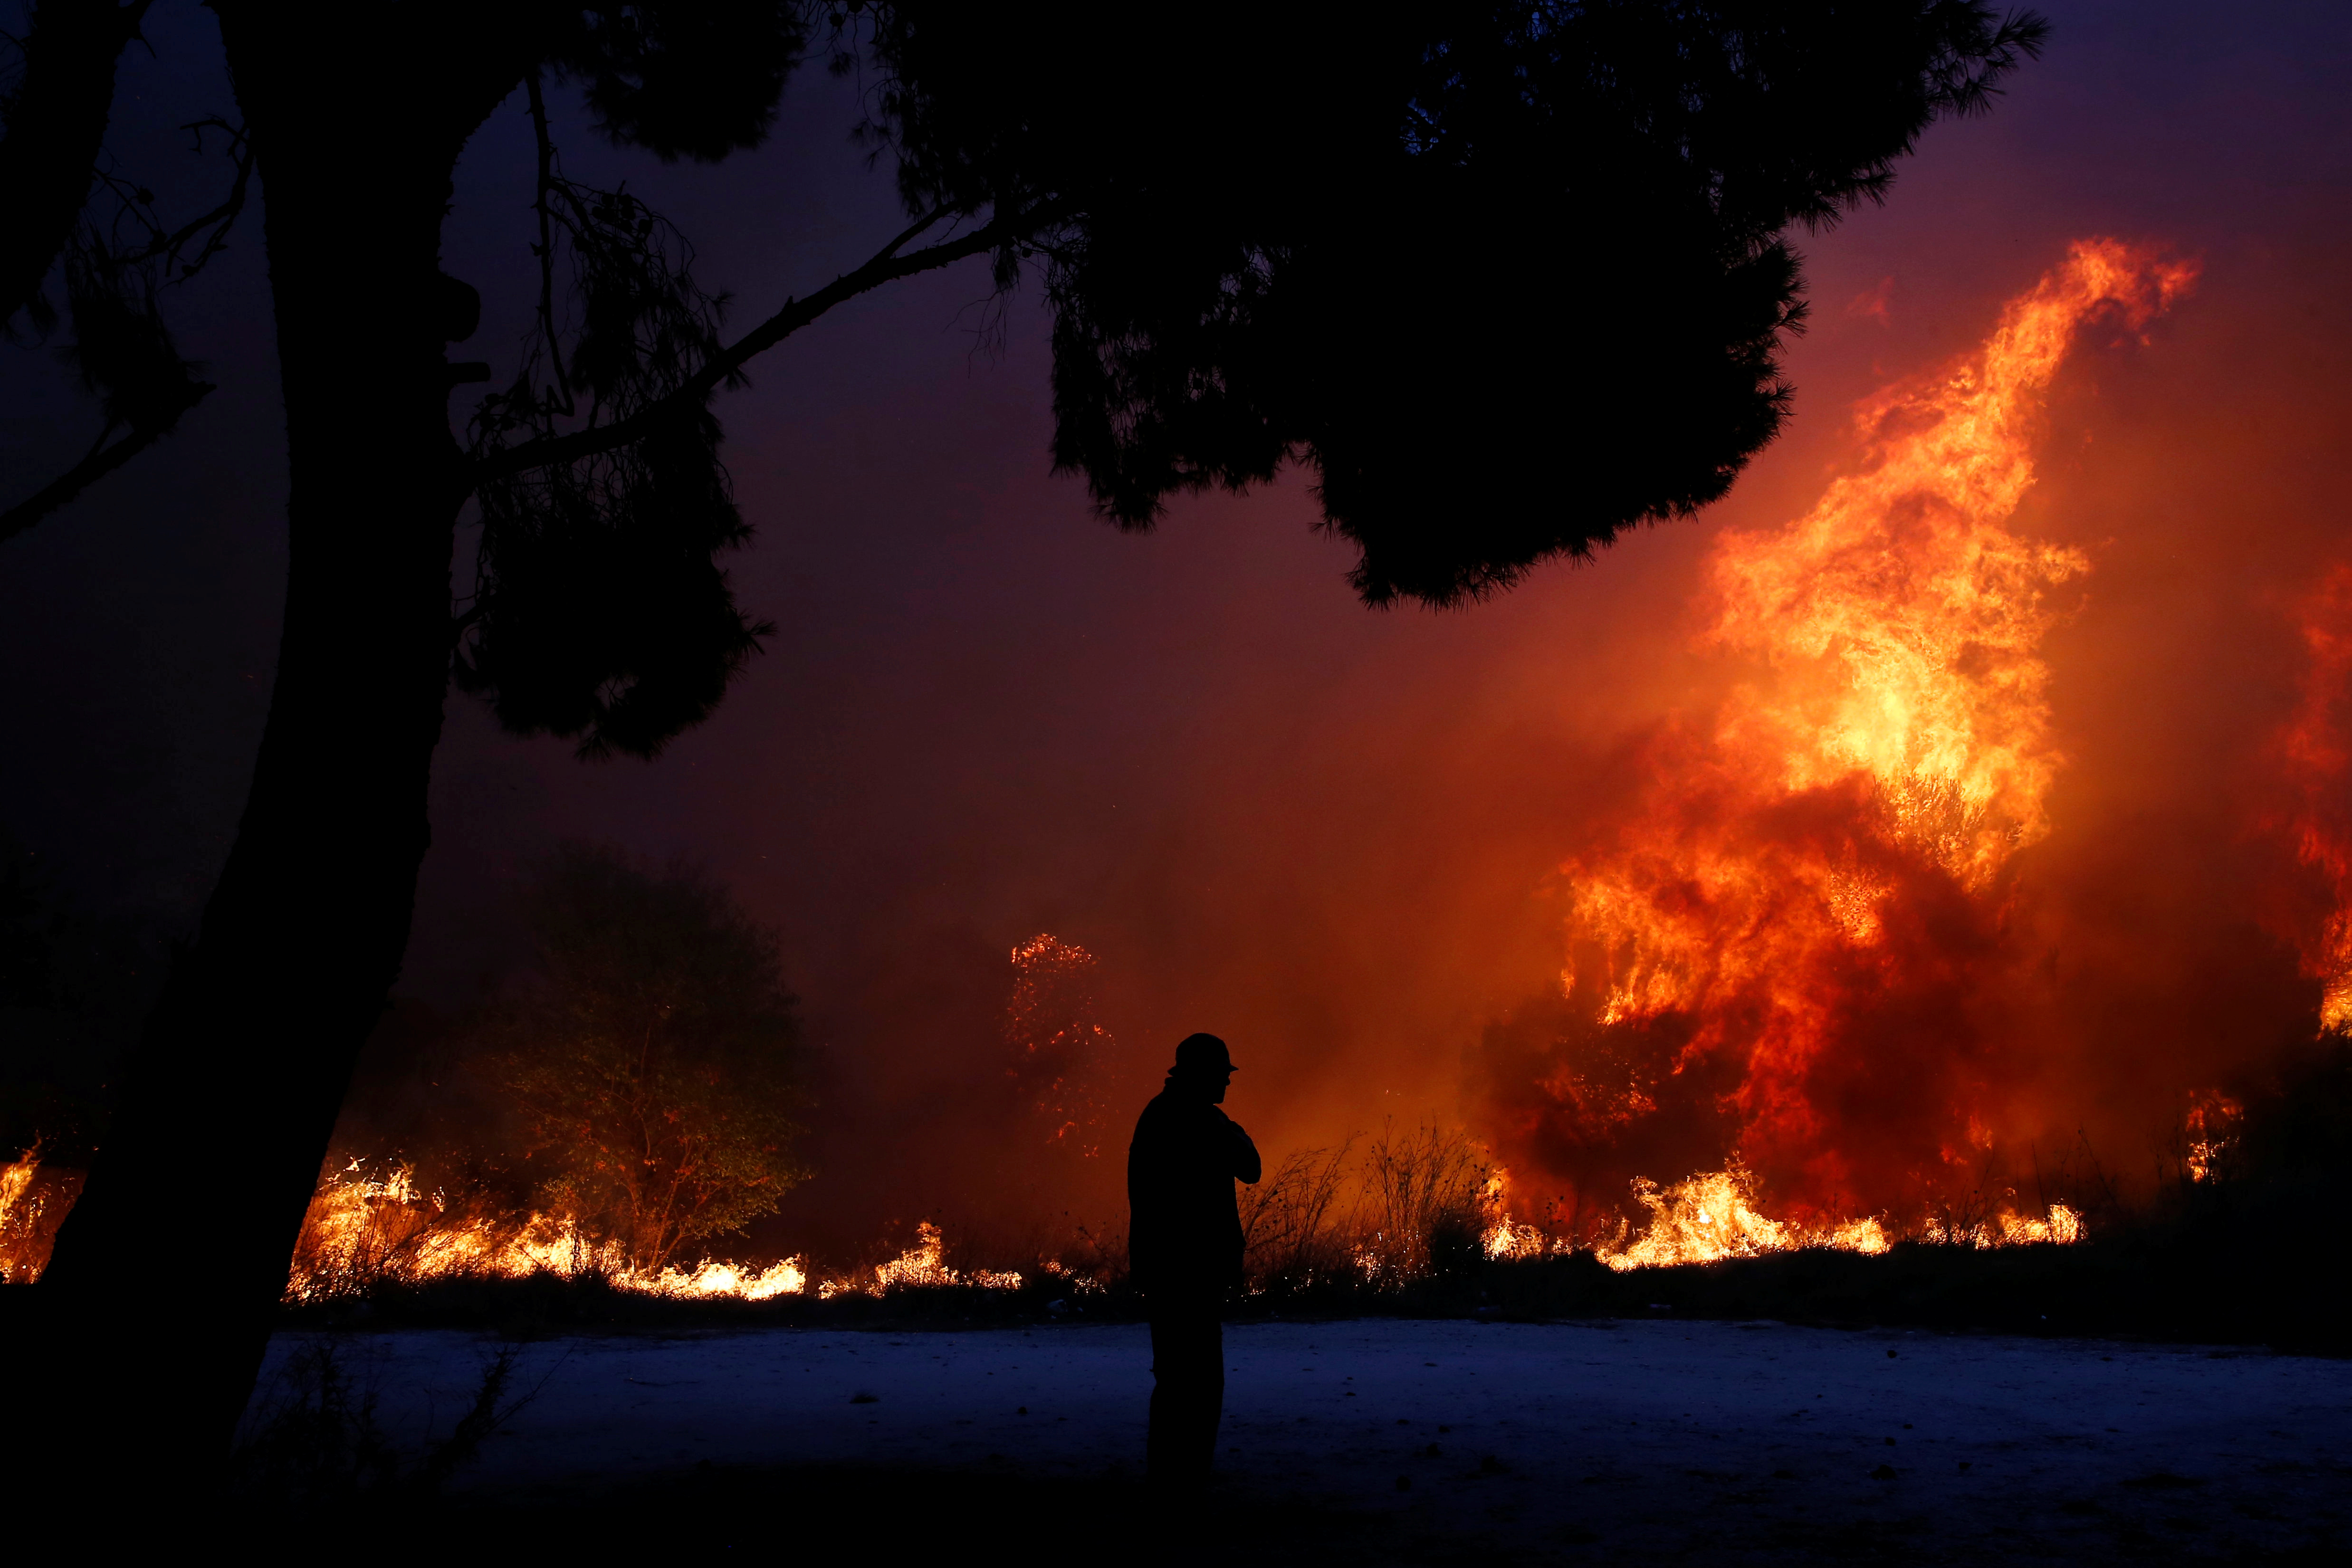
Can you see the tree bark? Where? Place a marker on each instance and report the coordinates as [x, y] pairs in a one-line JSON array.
[[159, 1299], [57, 125]]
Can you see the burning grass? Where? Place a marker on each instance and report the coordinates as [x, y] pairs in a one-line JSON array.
[[371, 1235], [1432, 1204], [2254, 1205], [366, 1231], [1403, 1221]]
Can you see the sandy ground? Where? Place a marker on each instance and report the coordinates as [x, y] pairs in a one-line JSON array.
[[1606, 1441]]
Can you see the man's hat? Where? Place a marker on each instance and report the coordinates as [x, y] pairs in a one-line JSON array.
[[1202, 1054]]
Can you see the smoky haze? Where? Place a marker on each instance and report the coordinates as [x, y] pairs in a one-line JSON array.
[[1332, 837]]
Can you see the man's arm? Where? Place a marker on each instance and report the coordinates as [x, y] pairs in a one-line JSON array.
[[1243, 1153]]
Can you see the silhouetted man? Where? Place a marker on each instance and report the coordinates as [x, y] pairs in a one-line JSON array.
[[1184, 1244]]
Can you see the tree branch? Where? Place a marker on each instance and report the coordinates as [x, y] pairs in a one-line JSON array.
[[101, 461], [220, 219], [545, 249], [886, 266]]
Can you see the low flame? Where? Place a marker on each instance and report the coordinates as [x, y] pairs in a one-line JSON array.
[[925, 1264], [362, 1229], [1713, 1217], [1710, 1217]]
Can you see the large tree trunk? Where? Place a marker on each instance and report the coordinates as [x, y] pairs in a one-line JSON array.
[[160, 1296]]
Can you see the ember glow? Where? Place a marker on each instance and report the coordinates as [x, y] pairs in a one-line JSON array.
[[1774, 946]]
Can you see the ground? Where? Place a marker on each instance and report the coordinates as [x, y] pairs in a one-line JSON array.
[[1603, 1442]]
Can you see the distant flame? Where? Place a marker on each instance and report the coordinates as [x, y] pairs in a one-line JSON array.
[[2315, 747], [2212, 1126]]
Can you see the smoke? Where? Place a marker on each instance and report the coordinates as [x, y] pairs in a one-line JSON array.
[[1337, 838]]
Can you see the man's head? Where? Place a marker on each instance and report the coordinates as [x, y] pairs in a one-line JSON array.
[[1203, 1066]]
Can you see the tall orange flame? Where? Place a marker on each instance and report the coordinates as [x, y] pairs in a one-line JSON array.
[[1787, 921]]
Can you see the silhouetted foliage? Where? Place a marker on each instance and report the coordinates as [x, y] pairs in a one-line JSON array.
[[656, 1058], [2297, 1132], [1507, 277], [687, 78], [121, 349], [599, 610]]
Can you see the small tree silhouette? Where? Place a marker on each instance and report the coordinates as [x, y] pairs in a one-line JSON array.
[[656, 1057]]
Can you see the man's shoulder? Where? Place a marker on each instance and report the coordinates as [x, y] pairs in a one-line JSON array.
[[1174, 1115], [1155, 1114]]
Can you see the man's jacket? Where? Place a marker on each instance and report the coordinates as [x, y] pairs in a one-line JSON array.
[[1184, 1226]]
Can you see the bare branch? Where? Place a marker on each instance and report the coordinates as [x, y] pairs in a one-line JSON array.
[[221, 218], [884, 266], [103, 460], [546, 247], [135, 205], [918, 226]]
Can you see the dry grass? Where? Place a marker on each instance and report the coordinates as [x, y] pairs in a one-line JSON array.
[[366, 1231], [312, 1439], [1408, 1206], [1426, 1191]]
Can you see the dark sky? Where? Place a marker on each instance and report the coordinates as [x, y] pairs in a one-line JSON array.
[[1322, 831]]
